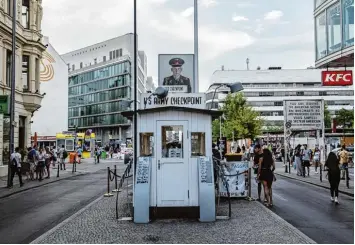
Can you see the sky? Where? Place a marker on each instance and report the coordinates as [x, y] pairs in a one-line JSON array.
[[268, 32]]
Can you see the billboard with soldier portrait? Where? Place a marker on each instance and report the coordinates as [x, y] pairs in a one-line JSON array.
[[176, 72]]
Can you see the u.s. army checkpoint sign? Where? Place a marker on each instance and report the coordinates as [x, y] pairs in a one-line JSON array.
[[187, 100], [304, 115]]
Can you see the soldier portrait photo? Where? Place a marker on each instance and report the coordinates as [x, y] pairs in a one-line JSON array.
[[175, 65]]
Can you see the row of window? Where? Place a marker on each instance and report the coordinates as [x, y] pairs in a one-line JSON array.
[[280, 103], [299, 93], [115, 53], [113, 82], [335, 28], [98, 120], [114, 94], [109, 71], [103, 108]]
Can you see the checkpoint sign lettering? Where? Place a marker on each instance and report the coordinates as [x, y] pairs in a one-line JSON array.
[[304, 115]]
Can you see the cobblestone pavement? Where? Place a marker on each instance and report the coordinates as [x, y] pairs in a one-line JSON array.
[[251, 223], [87, 166], [314, 178]]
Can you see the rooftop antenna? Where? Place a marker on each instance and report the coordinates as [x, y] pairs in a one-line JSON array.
[[247, 64]]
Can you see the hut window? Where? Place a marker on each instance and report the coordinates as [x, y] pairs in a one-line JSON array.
[[172, 142], [198, 146], [146, 144]]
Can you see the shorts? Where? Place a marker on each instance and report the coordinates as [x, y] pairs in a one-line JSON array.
[[32, 166], [306, 163]]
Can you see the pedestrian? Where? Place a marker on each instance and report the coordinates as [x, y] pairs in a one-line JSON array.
[[15, 159], [257, 156], [41, 163], [62, 155], [79, 151], [54, 156], [243, 148], [48, 157], [343, 160], [239, 150], [332, 166], [32, 160], [306, 159], [98, 154], [298, 161], [316, 159], [266, 175]]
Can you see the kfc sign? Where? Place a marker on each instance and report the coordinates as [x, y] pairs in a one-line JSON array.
[[337, 78]]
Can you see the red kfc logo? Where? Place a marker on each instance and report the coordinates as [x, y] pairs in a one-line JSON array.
[[337, 78]]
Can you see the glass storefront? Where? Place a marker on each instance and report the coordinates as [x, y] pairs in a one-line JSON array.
[[348, 22], [98, 120], [334, 27]]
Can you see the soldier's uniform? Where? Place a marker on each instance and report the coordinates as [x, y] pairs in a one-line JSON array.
[[171, 81]]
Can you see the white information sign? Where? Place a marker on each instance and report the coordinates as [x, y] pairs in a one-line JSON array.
[[176, 88], [235, 177], [189, 100], [304, 115]]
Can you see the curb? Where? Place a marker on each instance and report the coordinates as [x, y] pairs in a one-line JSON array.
[[311, 183], [300, 233], [51, 231], [33, 187]]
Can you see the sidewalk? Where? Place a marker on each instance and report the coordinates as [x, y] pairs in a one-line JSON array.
[[251, 223], [86, 166], [314, 179]]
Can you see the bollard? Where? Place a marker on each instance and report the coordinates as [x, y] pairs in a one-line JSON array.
[[347, 176], [320, 172], [73, 166], [108, 193], [249, 198], [286, 168], [289, 166], [57, 170], [116, 188]]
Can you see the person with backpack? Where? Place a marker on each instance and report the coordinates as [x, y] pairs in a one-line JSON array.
[[98, 154], [63, 154], [41, 163], [316, 159], [32, 160], [306, 159], [54, 156], [343, 161], [15, 160]]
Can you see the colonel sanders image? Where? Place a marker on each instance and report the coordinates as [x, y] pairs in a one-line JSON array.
[[177, 79]]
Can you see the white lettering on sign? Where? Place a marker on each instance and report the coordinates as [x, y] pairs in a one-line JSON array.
[[304, 115], [188, 100], [337, 77]]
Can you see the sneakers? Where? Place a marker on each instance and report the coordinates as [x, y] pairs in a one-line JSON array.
[[332, 199], [316, 172], [336, 200]]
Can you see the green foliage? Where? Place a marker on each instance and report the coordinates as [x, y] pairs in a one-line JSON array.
[[327, 117], [345, 118], [240, 119]]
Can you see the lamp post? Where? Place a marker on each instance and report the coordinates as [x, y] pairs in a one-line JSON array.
[[12, 96], [135, 90], [234, 88]]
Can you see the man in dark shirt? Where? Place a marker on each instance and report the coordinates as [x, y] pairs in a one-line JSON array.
[[258, 155]]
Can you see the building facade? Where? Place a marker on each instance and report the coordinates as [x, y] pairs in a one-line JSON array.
[[334, 33], [100, 78], [53, 115], [28, 54], [266, 91]]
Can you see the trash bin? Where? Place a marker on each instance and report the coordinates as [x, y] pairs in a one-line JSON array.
[[72, 157], [103, 154]]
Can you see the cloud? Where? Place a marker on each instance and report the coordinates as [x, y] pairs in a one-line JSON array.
[[273, 15], [187, 12], [208, 3], [237, 18]]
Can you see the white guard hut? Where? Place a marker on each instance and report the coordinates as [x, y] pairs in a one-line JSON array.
[[174, 172]]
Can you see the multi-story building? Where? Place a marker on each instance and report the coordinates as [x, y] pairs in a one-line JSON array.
[[334, 33], [150, 84], [266, 90], [100, 78], [29, 50]]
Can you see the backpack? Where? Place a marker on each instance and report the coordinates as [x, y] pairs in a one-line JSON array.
[[65, 154], [31, 154], [14, 162]]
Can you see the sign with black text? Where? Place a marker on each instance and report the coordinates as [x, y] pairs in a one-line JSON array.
[[189, 100], [176, 88], [304, 115]]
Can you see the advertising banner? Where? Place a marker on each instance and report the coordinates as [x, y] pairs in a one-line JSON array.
[[177, 70], [197, 101], [304, 115], [236, 180], [337, 78]]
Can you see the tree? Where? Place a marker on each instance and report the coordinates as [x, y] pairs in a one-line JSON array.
[[327, 117], [241, 121], [345, 118]]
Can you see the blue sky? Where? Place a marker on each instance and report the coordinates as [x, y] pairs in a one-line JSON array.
[[268, 32]]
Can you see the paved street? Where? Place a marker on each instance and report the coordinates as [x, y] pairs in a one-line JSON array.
[[308, 208], [29, 214]]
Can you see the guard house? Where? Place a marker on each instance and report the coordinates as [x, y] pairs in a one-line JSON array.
[[175, 140]]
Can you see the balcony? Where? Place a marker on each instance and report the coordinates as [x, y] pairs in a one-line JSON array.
[[31, 101]]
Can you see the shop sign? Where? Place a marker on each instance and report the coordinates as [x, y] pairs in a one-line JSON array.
[[189, 100], [337, 78], [304, 115]]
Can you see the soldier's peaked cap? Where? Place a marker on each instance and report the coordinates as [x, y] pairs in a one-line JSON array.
[[176, 62]]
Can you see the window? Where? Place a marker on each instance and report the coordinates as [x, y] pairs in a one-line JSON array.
[[95, 61], [26, 13], [104, 58], [334, 28], [278, 103], [9, 7], [117, 53], [111, 55], [8, 67], [348, 22], [198, 146], [73, 67], [319, 2], [146, 144], [321, 38], [120, 52], [299, 93], [322, 93], [25, 69], [172, 141], [81, 65]]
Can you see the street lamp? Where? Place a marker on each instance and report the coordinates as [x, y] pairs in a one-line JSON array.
[[234, 88], [160, 92]]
